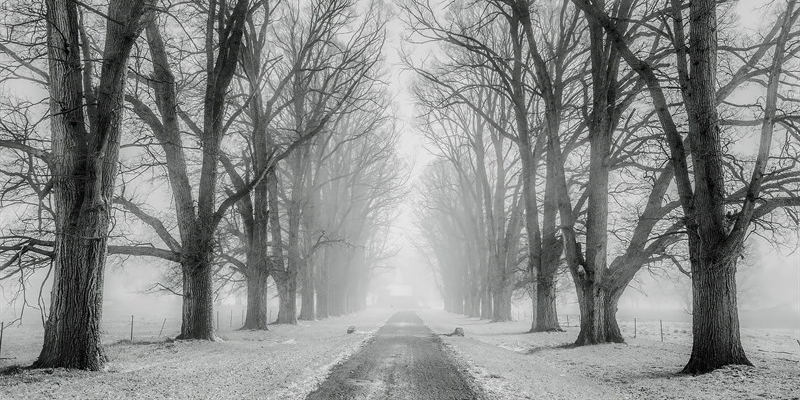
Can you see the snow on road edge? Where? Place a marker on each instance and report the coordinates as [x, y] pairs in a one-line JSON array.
[[299, 390]]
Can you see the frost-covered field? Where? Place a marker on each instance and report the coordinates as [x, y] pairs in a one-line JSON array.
[[284, 363], [289, 361], [511, 364]]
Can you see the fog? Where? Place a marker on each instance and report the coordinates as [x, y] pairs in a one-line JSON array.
[[769, 280]]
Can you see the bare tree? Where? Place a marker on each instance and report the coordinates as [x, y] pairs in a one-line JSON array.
[[197, 222], [85, 121], [715, 237]]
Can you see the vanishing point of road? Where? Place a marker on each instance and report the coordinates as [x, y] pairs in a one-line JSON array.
[[405, 360]]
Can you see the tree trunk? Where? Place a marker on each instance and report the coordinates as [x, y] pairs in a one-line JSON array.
[[287, 294], [308, 310], [501, 310], [598, 314], [198, 300], [256, 316], [612, 327], [72, 331], [546, 314], [715, 318]]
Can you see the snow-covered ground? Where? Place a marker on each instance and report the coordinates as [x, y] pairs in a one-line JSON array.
[[286, 362], [289, 361], [512, 364]]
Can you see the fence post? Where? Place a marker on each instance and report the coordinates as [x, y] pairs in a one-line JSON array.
[[661, 324], [131, 328], [217, 319], [162, 327], [2, 328]]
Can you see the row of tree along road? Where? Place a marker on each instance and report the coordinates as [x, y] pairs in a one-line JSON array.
[[235, 140], [242, 140], [601, 138]]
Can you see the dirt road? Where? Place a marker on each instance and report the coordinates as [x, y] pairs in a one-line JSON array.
[[405, 360]]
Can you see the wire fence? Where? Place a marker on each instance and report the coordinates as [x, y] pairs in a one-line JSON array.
[[21, 340], [641, 328]]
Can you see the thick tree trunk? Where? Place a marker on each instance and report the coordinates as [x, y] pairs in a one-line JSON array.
[[198, 300], [257, 312], [598, 314], [287, 295], [72, 331], [715, 318], [546, 314]]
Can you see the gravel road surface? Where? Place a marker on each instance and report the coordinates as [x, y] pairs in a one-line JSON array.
[[405, 360]]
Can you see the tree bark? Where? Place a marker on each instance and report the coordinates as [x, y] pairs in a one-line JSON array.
[[72, 332], [198, 298], [287, 295], [546, 314], [257, 311], [715, 317], [598, 308]]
